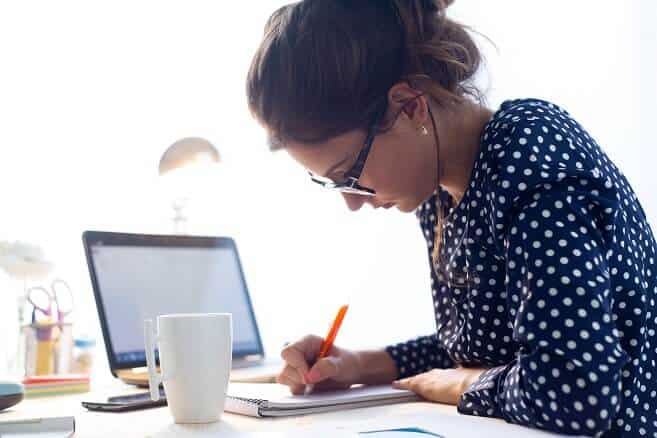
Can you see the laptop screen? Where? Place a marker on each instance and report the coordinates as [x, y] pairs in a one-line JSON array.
[[139, 280]]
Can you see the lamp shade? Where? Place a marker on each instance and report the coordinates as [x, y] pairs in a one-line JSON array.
[[187, 152], [24, 261]]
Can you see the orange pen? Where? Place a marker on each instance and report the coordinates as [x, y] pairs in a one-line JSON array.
[[330, 338]]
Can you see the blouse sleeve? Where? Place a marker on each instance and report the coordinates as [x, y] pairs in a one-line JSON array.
[[567, 374], [418, 356]]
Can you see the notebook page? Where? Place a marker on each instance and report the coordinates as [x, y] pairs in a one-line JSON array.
[[278, 396]]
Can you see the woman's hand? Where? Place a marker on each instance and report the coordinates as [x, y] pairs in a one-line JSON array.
[[338, 370], [441, 385]]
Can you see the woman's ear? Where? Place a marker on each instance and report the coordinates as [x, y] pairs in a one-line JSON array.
[[407, 102]]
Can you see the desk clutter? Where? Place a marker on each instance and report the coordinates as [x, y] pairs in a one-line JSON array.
[[57, 384], [48, 345], [54, 362], [11, 393], [57, 427], [48, 338], [51, 360]]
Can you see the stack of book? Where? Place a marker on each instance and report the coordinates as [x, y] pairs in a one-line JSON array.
[[55, 384]]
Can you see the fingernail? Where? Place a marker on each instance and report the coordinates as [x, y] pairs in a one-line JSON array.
[[312, 375]]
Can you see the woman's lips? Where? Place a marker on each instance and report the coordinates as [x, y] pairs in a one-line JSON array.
[[389, 205]]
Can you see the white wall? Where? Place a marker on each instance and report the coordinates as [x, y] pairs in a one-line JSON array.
[[91, 93], [597, 59]]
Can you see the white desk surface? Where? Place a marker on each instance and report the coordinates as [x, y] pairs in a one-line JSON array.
[[157, 422]]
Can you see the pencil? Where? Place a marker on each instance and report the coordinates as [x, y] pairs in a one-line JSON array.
[[328, 341]]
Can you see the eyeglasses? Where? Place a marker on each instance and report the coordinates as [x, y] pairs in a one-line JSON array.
[[350, 182]]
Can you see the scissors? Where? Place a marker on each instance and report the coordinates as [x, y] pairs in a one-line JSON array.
[[60, 296]]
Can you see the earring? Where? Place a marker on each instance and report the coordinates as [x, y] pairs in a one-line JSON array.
[[423, 130]]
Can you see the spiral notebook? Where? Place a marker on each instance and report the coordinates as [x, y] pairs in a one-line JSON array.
[[272, 400]]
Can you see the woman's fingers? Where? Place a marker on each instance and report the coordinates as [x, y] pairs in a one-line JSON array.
[[295, 358], [298, 357], [325, 368], [293, 375], [301, 352], [295, 388], [406, 383]]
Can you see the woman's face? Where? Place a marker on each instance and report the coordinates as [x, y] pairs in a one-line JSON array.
[[401, 166]]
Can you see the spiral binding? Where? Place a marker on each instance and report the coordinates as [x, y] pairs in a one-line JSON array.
[[251, 401]]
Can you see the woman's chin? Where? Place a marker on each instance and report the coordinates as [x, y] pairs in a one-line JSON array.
[[404, 207], [410, 205]]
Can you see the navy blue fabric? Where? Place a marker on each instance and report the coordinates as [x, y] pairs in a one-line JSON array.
[[549, 281]]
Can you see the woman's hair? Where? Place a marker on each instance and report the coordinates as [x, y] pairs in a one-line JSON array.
[[325, 67]]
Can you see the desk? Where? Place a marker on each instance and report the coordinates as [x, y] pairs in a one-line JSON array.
[[157, 422]]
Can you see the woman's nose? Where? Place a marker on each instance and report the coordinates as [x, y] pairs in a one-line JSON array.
[[354, 202]]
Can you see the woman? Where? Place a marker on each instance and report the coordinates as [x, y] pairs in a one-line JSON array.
[[543, 264]]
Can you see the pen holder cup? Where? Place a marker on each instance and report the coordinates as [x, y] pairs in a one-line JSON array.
[[48, 348]]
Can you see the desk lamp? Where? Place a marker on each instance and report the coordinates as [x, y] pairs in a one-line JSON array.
[[184, 167]]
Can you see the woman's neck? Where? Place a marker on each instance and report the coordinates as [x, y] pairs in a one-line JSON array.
[[460, 130]]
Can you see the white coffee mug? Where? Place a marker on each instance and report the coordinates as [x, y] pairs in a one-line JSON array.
[[195, 361]]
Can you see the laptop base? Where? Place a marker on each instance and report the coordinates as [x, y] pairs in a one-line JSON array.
[[263, 373]]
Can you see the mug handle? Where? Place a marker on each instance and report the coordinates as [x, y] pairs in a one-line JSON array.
[[154, 378]]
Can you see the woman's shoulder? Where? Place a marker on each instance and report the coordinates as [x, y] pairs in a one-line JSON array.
[[514, 119], [530, 144], [529, 107]]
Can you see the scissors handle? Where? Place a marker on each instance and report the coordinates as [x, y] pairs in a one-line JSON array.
[[40, 299], [58, 298]]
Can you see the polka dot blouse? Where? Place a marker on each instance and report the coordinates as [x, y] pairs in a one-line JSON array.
[[549, 281]]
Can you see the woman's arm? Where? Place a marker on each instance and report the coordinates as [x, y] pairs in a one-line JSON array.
[[376, 367], [418, 356], [567, 376]]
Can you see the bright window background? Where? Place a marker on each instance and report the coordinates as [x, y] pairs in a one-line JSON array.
[[91, 93]]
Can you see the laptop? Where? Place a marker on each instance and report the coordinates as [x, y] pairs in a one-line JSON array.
[[140, 276]]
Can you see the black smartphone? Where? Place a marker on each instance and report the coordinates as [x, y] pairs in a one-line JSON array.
[[122, 403]]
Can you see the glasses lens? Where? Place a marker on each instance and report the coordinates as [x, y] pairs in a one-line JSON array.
[[342, 187], [355, 191]]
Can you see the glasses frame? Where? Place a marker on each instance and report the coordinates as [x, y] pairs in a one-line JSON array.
[[350, 184]]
